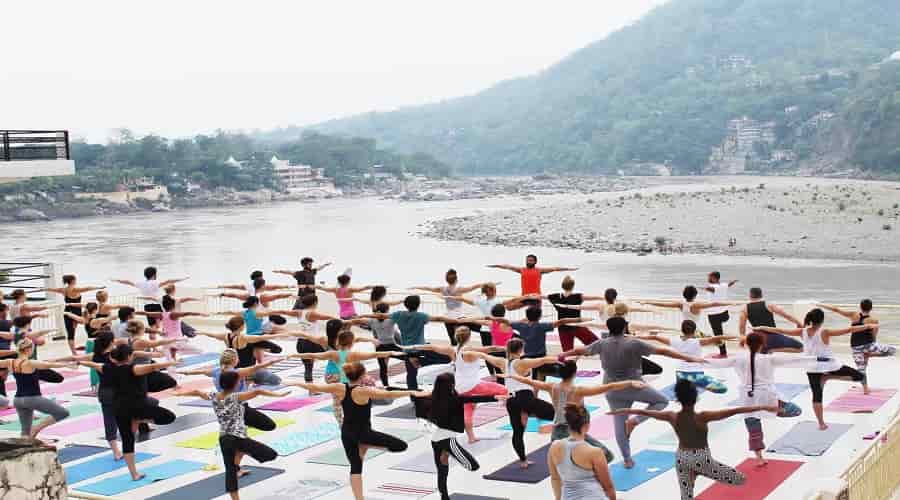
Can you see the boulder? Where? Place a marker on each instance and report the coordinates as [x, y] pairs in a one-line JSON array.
[[30, 471]]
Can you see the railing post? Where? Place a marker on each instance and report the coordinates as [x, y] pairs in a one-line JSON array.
[[68, 152], [53, 280], [6, 146]]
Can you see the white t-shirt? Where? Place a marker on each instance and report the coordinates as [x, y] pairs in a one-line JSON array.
[[690, 347], [719, 294], [485, 304], [149, 288]]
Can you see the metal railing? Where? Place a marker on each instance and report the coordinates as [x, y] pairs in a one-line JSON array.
[[875, 475], [25, 145]]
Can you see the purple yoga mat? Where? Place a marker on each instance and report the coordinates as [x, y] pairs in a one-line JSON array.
[[77, 426], [291, 404], [854, 401], [588, 373], [488, 412]]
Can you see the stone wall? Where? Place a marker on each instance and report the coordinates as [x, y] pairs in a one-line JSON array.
[[30, 471]]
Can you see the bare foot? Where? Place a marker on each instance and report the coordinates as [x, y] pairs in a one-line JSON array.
[[823, 426], [628, 463], [630, 424], [761, 462], [242, 472], [138, 477], [473, 440], [525, 464], [118, 456]]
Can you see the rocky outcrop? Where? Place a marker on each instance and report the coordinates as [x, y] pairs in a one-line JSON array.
[[31, 214], [30, 471]]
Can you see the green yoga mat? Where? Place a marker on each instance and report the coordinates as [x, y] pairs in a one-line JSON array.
[[210, 440], [338, 457], [75, 411]]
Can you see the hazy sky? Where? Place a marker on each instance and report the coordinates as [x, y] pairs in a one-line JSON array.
[[181, 67]]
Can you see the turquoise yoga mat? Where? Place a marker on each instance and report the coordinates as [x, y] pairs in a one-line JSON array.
[[120, 484], [197, 359], [338, 456], [100, 465], [299, 441], [534, 423], [648, 465]]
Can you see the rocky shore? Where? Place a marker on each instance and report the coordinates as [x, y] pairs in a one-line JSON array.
[[783, 217]]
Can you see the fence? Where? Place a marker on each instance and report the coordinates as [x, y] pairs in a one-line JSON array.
[[875, 475], [24, 145]]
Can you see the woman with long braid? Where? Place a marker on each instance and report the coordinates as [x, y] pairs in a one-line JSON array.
[[357, 434]]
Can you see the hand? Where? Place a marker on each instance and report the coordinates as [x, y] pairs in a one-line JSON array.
[[561, 359]]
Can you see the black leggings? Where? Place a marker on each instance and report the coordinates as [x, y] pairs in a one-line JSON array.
[[525, 402], [159, 381], [152, 308], [257, 419], [70, 323], [425, 358], [268, 345], [816, 385], [383, 363], [304, 346], [143, 410], [231, 446], [649, 367], [452, 448], [352, 440], [715, 322]]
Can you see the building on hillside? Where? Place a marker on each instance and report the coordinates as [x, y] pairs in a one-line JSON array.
[[305, 179], [745, 137]]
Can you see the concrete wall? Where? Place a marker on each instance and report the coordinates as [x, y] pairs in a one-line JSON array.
[[11, 171], [153, 194]]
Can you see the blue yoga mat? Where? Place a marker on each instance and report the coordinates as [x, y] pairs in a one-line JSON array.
[[647, 465], [120, 484], [299, 441], [214, 487], [77, 452], [534, 423], [197, 359], [100, 465]]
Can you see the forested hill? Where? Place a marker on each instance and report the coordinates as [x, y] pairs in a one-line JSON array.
[[666, 89]]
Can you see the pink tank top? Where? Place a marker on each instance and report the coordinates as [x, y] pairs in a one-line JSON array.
[[346, 306], [171, 327], [500, 335]]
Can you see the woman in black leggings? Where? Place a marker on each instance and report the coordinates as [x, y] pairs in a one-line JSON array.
[[230, 404], [445, 409], [132, 406], [357, 434], [523, 402]]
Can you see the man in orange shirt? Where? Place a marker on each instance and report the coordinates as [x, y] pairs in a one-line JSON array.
[[531, 277]]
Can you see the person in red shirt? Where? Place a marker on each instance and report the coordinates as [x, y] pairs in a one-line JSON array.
[[531, 277]]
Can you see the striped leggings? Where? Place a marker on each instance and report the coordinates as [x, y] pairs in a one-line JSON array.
[[452, 448], [690, 463], [862, 353]]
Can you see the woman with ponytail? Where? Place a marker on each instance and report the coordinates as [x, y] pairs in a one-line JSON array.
[[817, 343], [756, 372], [467, 365]]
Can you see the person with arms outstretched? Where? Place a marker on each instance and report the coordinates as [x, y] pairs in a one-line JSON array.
[[864, 344], [531, 276]]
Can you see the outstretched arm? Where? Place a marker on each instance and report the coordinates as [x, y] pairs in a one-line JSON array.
[[671, 353], [713, 415], [656, 338], [191, 392], [614, 386], [311, 387], [124, 282], [578, 351], [218, 336], [661, 303], [537, 384], [834, 332], [793, 332], [507, 267], [545, 270], [566, 321], [199, 371], [665, 416], [252, 393], [163, 284], [448, 351], [717, 340], [851, 315], [784, 314], [432, 289]]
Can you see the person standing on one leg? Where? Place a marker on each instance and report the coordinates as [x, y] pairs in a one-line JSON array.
[[863, 343], [449, 293], [306, 279], [531, 277], [718, 316], [621, 357], [690, 345], [758, 313]]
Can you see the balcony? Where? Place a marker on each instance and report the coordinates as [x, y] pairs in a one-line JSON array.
[[34, 153]]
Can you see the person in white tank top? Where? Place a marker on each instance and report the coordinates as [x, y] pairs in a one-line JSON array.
[[817, 344], [689, 307], [690, 345], [467, 365]]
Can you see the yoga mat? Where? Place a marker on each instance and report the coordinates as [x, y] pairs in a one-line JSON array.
[[74, 452], [463, 496], [120, 484], [535, 473], [291, 404], [854, 401], [647, 465], [424, 462], [788, 391], [79, 384], [760, 481], [535, 424], [668, 439], [588, 373], [394, 369], [298, 441], [100, 465], [198, 359], [71, 427], [806, 439], [181, 423], [210, 440], [406, 411], [306, 489], [75, 411], [85, 394], [395, 490], [214, 486], [603, 426], [486, 413], [196, 403], [338, 457], [427, 374]]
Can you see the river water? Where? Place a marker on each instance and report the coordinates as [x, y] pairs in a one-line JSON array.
[[377, 239]]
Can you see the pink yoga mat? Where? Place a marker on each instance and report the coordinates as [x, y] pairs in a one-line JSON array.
[[854, 401], [76, 426], [760, 481], [291, 404], [486, 413], [602, 426]]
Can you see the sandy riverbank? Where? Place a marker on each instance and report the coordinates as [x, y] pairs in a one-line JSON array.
[[776, 217]]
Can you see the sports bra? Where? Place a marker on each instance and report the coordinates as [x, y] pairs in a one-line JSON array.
[[245, 355], [27, 384]]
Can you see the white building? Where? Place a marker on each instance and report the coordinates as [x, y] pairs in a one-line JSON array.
[[302, 178]]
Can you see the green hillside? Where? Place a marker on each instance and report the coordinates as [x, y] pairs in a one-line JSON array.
[[664, 89]]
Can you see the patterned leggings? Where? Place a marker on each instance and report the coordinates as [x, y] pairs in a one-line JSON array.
[[754, 424], [689, 463], [335, 401], [703, 380], [862, 353]]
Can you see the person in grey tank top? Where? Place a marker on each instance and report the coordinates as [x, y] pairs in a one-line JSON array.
[[450, 293], [579, 471]]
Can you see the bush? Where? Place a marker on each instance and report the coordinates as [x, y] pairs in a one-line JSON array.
[[842, 206], [886, 227]]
